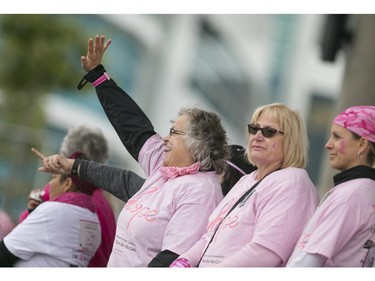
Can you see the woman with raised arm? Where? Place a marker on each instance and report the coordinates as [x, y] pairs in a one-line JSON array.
[[169, 213]]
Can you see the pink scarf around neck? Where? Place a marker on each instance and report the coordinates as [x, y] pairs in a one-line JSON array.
[[82, 200], [174, 172]]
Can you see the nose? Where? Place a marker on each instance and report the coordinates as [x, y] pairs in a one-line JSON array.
[[166, 138], [328, 144], [258, 134]]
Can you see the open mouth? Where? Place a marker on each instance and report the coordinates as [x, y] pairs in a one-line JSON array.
[[167, 149]]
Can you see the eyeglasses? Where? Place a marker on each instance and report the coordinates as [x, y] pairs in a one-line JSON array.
[[267, 132], [173, 131]]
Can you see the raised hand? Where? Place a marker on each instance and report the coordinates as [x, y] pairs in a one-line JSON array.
[[95, 51], [56, 164]]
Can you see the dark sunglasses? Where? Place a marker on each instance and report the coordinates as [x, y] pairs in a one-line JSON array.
[[267, 132], [173, 131]]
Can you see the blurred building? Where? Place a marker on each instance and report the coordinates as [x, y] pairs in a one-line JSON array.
[[230, 64]]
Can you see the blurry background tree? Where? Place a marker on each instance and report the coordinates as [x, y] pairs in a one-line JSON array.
[[37, 56]]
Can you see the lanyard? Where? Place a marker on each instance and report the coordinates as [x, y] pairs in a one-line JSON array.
[[242, 199]]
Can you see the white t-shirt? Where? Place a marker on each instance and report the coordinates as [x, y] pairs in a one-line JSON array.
[[343, 226], [55, 235], [165, 214]]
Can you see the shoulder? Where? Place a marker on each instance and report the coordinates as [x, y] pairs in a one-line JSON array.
[[292, 175], [198, 180], [200, 185], [290, 179], [356, 191], [47, 207]]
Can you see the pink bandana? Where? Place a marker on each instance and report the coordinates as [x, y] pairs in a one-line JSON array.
[[359, 120], [174, 172]]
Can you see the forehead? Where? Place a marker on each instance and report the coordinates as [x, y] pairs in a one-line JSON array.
[[266, 118], [339, 129], [181, 121]]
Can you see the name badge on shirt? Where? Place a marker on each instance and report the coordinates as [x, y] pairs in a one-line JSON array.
[[89, 236]]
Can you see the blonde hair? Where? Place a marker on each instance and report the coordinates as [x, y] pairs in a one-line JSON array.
[[295, 144]]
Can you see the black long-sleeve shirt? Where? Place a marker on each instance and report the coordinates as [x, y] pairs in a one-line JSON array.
[[134, 129]]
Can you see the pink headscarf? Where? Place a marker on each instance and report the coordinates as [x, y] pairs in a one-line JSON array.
[[358, 119]]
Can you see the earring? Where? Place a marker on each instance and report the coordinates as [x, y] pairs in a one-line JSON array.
[[359, 155]]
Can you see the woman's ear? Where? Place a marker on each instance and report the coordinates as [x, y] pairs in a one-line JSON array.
[[363, 145], [68, 184]]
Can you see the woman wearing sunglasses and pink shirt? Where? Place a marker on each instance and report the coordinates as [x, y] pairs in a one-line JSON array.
[[342, 231], [261, 227]]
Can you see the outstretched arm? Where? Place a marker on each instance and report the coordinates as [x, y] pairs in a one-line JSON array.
[[123, 184], [130, 122]]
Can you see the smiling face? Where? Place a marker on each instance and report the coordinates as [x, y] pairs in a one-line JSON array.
[[176, 153], [343, 148], [266, 153]]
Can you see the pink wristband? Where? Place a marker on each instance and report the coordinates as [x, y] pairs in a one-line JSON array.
[[101, 79], [180, 262]]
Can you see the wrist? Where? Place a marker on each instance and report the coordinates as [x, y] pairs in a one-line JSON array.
[[91, 76], [180, 262], [101, 79], [75, 167]]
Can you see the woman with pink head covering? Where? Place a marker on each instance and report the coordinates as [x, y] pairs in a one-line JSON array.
[[342, 231]]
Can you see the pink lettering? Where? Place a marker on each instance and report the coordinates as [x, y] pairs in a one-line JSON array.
[[304, 240], [151, 190], [228, 223], [146, 213], [220, 216], [138, 210]]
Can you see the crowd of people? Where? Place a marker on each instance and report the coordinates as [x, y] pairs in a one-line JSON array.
[[203, 202]]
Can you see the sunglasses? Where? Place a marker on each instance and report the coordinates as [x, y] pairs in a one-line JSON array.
[[173, 131], [267, 132]]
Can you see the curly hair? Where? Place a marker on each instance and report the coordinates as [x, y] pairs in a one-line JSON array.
[[206, 139], [89, 141]]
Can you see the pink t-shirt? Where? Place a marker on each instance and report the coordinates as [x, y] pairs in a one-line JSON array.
[[342, 225], [272, 217], [165, 214]]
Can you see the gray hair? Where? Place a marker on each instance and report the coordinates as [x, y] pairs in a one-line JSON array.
[[206, 139], [89, 141]]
